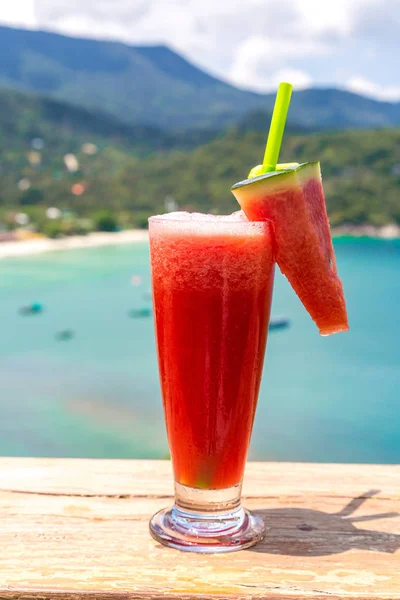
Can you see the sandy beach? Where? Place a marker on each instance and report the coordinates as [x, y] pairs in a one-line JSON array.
[[26, 247], [39, 245]]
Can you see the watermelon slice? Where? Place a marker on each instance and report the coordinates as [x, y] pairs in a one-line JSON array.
[[293, 200]]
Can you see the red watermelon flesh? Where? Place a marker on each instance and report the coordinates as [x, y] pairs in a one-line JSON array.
[[293, 200]]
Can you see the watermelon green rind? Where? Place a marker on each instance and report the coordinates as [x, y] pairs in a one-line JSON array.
[[293, 201], [279, 177]]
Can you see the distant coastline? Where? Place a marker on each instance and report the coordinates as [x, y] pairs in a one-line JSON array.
[[385, 232], [39, 245]]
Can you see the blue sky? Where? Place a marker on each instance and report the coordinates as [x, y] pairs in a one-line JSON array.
[[254, 44]]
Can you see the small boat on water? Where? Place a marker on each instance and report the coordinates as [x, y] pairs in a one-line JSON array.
[[279, 323], [139, 313], [64, 335], [31, 309]]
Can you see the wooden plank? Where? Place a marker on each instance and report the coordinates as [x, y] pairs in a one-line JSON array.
[[79, 529]]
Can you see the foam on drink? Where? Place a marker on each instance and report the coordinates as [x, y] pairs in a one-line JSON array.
[[212, 248]]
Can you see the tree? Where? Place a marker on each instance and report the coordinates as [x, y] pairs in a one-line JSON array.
[[105, 221], [53, 229], [31, 197]]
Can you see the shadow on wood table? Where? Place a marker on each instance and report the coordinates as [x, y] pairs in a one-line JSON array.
[[306, 532]]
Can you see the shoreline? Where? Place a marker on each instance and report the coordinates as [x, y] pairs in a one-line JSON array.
[[40, 245], [385, 232]]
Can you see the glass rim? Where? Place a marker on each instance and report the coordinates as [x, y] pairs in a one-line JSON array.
[[163, 218]]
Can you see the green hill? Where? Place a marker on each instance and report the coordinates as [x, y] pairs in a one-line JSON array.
[[37, 133], [146, 85], [27, 120], [361, 171], [64, 127], [134, 169], [154, 85], [335, 109]]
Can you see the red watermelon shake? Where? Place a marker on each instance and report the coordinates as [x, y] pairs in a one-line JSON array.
[[212, 287]]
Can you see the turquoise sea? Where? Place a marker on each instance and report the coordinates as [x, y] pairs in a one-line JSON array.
[[97, 394]]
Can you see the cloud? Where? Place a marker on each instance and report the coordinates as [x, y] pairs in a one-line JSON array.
[[364, 86], [244, 42], [300, 79], [18, 13], [101, 11], [379, 21], [207, 31], [259, 61], [250, 43]]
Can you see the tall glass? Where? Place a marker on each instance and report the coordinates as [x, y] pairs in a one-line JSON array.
[[212, 287]]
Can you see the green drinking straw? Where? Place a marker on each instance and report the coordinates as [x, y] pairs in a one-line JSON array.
[[277, 127]]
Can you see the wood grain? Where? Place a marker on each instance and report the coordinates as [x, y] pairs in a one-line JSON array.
[[79, 529]]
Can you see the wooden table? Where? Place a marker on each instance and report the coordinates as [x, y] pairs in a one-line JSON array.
[[74, 529]]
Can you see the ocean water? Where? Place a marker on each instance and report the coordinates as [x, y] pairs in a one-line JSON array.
[[97, 394]]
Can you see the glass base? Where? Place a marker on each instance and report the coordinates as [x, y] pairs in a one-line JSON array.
[[207, 522]]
